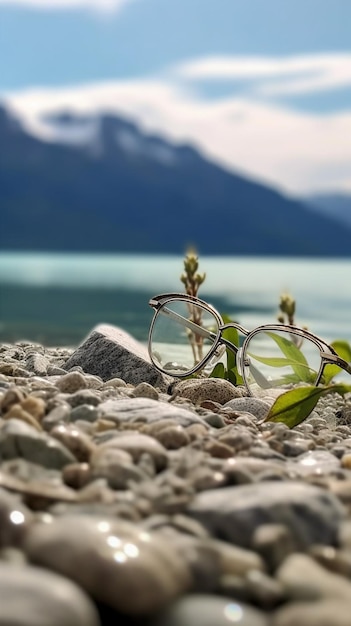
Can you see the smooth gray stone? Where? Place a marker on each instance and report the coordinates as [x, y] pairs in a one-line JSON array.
[[114, 560], [15, 518], [234, 513], [110, 352], [31, 596], [18, 439], [148, 411], [318, 462], [85, 412]]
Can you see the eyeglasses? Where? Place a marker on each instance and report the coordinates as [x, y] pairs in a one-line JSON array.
[[188, 335]]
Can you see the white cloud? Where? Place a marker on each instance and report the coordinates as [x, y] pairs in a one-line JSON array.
[[103, 6], [274, 76], [294, 151]]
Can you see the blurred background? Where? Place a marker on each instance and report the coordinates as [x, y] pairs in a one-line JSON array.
[[134, 130]]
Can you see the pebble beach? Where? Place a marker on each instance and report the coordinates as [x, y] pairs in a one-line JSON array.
[[130, 498]]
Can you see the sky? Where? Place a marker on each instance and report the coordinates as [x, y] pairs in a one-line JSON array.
[[262, 87]]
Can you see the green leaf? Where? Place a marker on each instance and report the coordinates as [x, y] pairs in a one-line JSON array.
[[294, 354], [218, 371], [309, 375], [293, 406], [232, 335], [343, 349], [234, 378], [274, 361]]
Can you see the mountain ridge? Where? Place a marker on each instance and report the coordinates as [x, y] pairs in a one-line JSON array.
[[124, 191], [337, 205]]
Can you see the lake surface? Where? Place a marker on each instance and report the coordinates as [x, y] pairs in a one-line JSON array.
[[57, 298]]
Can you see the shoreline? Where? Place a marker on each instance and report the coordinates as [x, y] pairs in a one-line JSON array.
[[173, 507]]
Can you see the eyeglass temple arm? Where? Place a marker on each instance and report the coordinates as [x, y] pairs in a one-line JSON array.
[[191, 325], [337, 360]]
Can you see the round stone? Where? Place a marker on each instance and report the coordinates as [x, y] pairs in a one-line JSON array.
[[71, 382], [199, 390]]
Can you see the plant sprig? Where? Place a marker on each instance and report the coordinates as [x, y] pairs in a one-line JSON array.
[[293, 406], [191, 278]]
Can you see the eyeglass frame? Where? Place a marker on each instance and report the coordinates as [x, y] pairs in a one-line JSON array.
[[329, 357]]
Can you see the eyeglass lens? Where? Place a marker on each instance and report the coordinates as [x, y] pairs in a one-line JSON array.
[[182, 335], [277, 360]]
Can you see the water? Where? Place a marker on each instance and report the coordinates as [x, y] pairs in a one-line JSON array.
[[57, 298]]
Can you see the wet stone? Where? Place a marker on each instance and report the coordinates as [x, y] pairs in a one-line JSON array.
[[76, 475], [15, 519], [116, 562], [78, 442], [320, 462]]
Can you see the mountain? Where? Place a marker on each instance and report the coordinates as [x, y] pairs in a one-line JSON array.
[[337, 206], [101, 184]]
